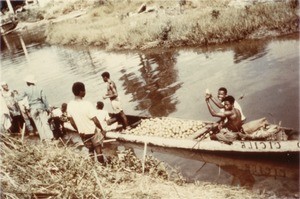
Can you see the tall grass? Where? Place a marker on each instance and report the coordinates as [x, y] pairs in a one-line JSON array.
[[110, 27]]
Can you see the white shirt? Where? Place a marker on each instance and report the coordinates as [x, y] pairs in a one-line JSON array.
[[4, 109], [11, 102], [103, 116], [4, 116], [56, 112], [82, 113]]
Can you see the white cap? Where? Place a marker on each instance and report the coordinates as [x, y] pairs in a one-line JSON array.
[[3, 83], [30, 79]]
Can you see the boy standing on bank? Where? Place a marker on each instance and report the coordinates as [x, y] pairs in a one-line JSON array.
[[83, 118], [112, 94]]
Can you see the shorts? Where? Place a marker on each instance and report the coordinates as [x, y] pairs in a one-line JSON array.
[[91, 141], [116, 106], [227, 135]]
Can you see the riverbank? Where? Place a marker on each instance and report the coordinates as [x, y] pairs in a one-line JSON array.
[[57, 170], [136, 25]]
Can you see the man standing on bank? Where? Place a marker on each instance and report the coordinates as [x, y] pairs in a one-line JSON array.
[[13, 107], [112, 94], [83, 118], [38, 107]]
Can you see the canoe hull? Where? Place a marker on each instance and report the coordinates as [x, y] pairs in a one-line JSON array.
[[268, 149], [290, 148], [211, 145]]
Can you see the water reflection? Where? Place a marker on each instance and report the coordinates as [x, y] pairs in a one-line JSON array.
[[249, 50], [152, 84], [156, 85], [169, 82], [239, 177], [13, 44], [251, 173]]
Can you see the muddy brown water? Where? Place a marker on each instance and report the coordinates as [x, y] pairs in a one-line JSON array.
[[263, 75]]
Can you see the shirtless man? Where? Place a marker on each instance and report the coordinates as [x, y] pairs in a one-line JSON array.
[[112, 94], [228, 130]]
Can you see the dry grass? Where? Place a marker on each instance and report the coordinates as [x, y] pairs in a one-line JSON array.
[[54, 170]]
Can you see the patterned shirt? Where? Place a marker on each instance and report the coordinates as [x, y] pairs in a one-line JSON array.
[[11, 102]]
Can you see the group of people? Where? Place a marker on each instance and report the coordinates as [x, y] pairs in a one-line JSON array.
[[231, 116], [27, 110], [92, 124], [32, 109]]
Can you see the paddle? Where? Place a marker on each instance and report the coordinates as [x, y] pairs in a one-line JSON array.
[[200, 132], [203, 135]]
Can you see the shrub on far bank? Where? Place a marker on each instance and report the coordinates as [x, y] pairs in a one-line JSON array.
[[116, 25]]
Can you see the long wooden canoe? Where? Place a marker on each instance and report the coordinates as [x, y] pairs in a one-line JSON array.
[[249, 147]]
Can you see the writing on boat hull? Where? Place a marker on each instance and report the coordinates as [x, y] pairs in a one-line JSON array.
[[266, 171], [264, 145]]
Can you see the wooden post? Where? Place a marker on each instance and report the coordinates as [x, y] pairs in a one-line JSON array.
[[23, 133], [144, 156], [24, 47], [11, 10]]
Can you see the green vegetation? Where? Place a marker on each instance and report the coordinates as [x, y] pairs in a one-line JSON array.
[[108, 25], [115, 25]]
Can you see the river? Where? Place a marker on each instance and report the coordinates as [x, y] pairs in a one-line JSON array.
[[263, 75]]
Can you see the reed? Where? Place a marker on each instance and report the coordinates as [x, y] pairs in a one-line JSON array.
[[56, 170]]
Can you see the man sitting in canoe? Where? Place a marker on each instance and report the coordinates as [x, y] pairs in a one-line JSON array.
[[226, 131], [219, 101]]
